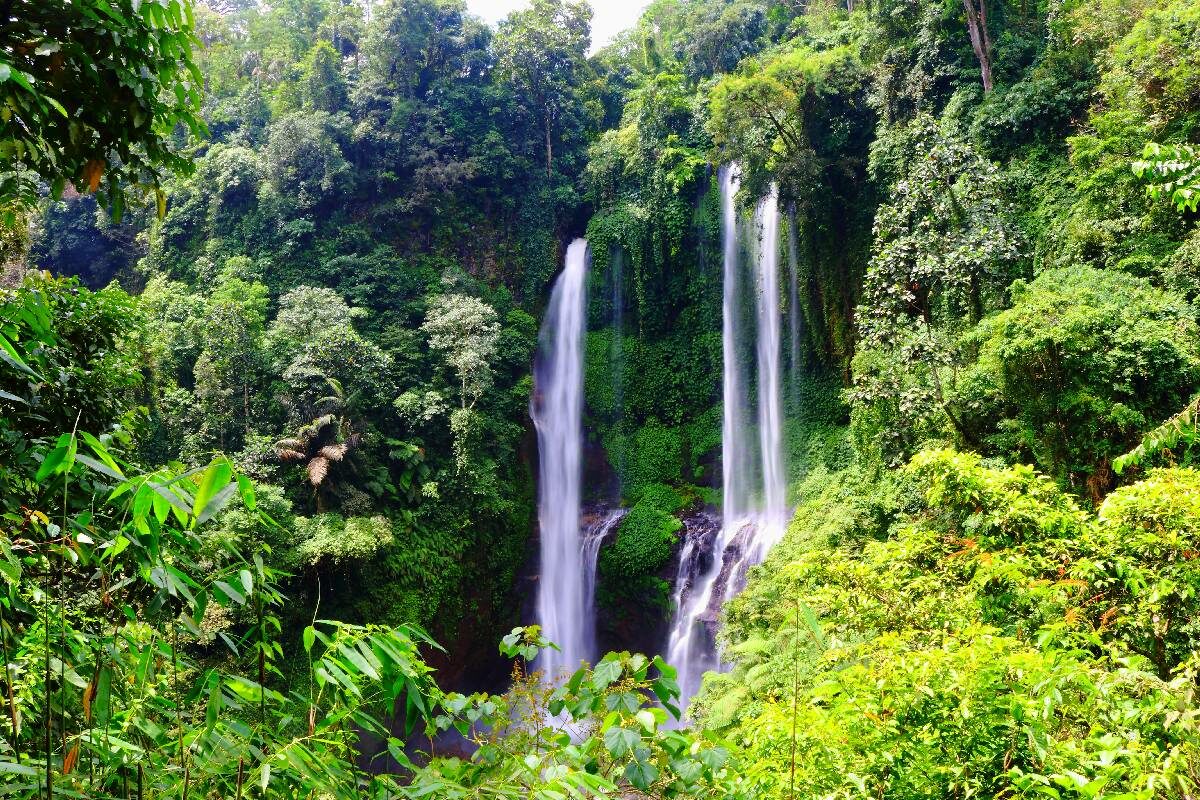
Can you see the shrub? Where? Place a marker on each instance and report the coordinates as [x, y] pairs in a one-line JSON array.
[[1081, 364]]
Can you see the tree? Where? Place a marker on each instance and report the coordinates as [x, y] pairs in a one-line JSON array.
[[323, 86], [466, 331], [231, 363], [944, 250], [981, 40], [318, 447], [93, 93], [1083, 362], [304, 160], [543, 51], [304, 313]]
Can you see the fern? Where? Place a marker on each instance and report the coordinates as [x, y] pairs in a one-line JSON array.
[[1181, 429]]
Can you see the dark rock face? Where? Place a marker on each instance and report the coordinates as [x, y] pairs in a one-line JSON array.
[[732, 577], [696, 552]]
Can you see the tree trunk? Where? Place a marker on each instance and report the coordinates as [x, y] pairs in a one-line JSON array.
[[549, 147], [981, 42]]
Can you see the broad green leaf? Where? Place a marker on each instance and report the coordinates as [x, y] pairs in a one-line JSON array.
[[215, 478], [620, 741], [641, 774], [605, 673], [10, 356], [231, 593]]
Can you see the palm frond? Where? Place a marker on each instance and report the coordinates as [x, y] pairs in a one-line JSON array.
[[334, 452], [317, 469]]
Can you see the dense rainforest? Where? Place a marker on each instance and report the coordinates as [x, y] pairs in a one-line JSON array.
[[880, 374]]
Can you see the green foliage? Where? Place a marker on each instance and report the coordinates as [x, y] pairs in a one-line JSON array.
[[67, 356], [1082, 362], [645, 538], [603, 732], [1178, 432], [975, 632], [631, 590], [93, 93], [653, 453], [332, 539], [1172, 171]]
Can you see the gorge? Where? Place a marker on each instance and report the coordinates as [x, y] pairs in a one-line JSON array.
[[778, 401]]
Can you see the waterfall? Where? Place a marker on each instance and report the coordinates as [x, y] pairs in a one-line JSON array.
[[594, 535], [557, 411], [754, 510], [773, 510], [793, 304]]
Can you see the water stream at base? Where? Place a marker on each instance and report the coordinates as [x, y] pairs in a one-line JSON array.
[[597, 530]]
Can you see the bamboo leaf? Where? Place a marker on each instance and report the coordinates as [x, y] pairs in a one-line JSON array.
[[216, 477]]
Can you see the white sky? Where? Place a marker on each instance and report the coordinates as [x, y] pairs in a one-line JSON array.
[[609, 17]]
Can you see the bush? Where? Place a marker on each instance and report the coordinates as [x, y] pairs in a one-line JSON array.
[[644, 542], [972, 631], [1083, 362], [332, 538]]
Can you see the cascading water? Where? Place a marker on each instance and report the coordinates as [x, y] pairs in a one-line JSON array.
[[691, 648], [754, 512], [595, 533], [557, 411], [793, 302], [773, 509]]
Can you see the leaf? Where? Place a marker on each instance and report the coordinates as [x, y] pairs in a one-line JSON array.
[[356, 658], [641, 774], [100, 451], [53, 463], [620, 741], [10, 356], [217, 503], [96, 466], [70, 760], [264, 776], [310, 637], [317, 469], [12, 397], [19, 769], [216, 477], [246, 487], [213, 709], [605, 673], [102, 705], [230, 592]]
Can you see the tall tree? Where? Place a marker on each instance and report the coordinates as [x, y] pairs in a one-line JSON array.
[[981, 40], [543, 51]]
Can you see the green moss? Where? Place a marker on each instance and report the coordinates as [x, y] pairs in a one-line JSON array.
[[644, 540]]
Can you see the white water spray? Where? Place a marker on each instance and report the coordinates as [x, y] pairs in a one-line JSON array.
[[563, 609]]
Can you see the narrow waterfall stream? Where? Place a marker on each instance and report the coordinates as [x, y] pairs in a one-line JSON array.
[[596, 531], [793, 304], [754, 510], [772, 509], [563, 608]]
